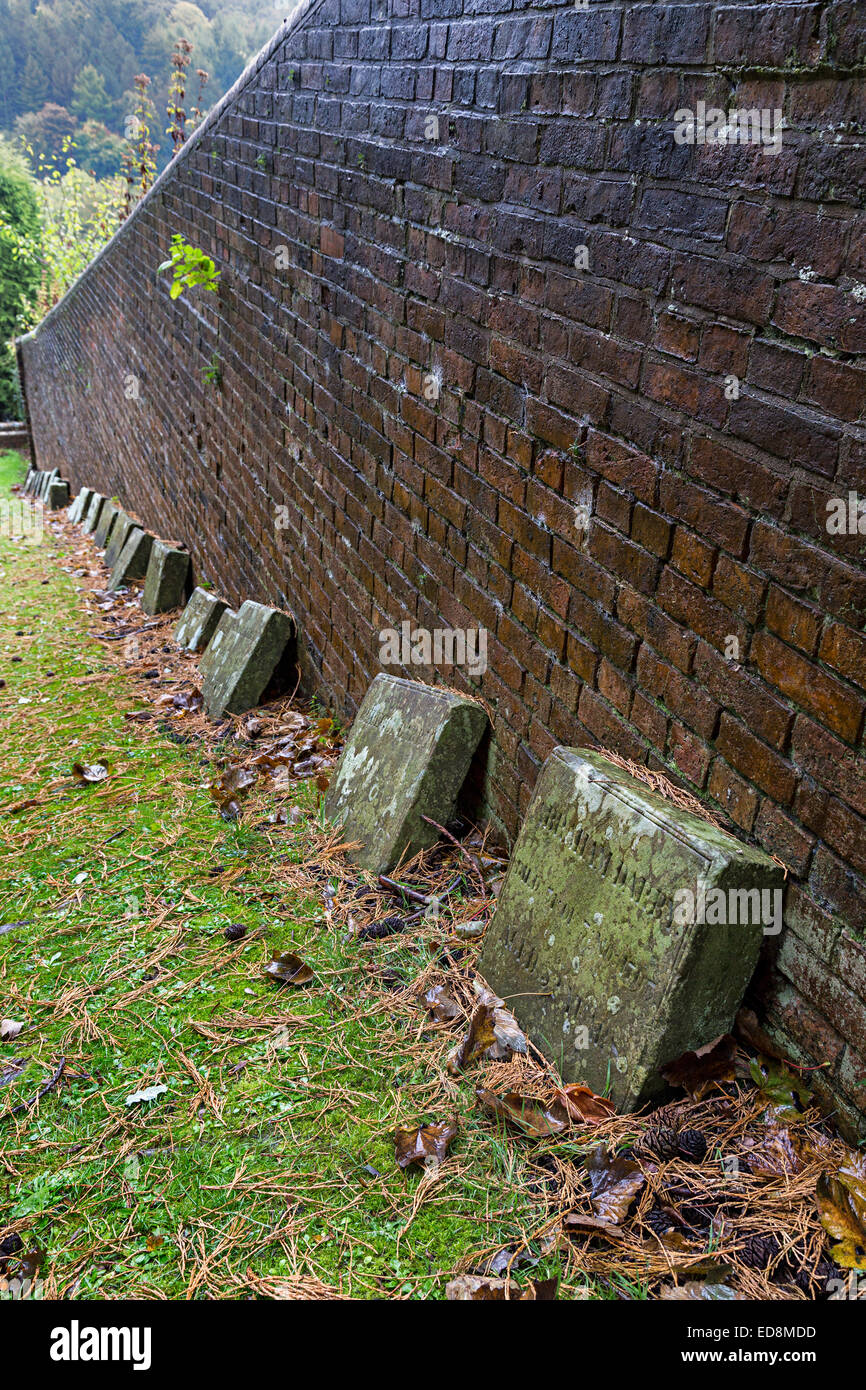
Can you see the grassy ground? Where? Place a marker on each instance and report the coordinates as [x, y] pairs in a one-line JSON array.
[[268, 1156]]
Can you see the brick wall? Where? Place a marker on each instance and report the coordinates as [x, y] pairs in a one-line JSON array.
[[698, 390]]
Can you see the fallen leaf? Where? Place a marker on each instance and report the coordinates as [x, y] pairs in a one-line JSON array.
[[480, 1287], [529, 1116], [580, 1103], [693, 1291], [781, 1087], [427, 1145], [86, 774], [9, 1029], [614, 1183], [592, 1225], [288, 968], [149, 1093], [441, 1005], [697, 1071], [842, 1207], [774, 1153], [230, 789]]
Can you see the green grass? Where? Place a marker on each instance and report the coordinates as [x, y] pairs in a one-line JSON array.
[[125, 889]]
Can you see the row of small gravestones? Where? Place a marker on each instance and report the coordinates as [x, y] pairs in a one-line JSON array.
[[241, 650], [593, 942]]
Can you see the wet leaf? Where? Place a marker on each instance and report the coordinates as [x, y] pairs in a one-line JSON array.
[[154, 1242], [288, 968], [697, 1071], [581, 1104], [773, 1154], [480, 1035], [780, 1086], [427, 1145], [9, 1029], [592, 1225], [529, 1116], [149, 1093], [483, 1288], [230, 789], [614, 1183], [441, 1005], [843, 1216], [87, 774], [692, 1291]]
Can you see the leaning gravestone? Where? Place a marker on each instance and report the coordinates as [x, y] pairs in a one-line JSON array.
[[133, 559], [91, 516], [242, 656], [165, 581], [45, 482], [105, 524], [80, 505], [406, 757], [57, 495], [602, 943], [199, 620], [123, 524]]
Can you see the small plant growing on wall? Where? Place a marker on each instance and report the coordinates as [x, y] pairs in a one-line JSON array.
[[213, 373], [189, 267]]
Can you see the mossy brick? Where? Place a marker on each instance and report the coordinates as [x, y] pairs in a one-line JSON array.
[[406, 757], [243, 655], [123, 524], [165, 581], [199, 620], [57, 495], [133, 559], [93, 513], [107, 518], [593, 943]]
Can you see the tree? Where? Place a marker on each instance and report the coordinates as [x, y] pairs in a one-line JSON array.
[[98, 150], [34, 85], [90, 100], [47, 132], [20, 269]]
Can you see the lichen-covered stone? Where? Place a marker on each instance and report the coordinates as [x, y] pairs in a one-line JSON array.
[[589, 945], [242, 656], [199, 620], [107, 518], [407, 756], [80, 504], [165, 581], [133, 559], [123, 524], [91, 517], [57, 495]]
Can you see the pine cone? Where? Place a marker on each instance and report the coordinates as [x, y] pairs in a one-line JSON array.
[[692, 1145], [758, 1251], [658, 1140], [658, 1221]]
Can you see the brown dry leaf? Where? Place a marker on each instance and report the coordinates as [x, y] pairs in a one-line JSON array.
[[592, 1225], [775, 1154], [614, 1183], [288, 968], [480, 1287], [581, 1104], [322, 782], [441, 1005], [526, 1115], [481, 1035], [87, 774], [843, 1216], [229, 790], [697, 1071], [427, 1145]]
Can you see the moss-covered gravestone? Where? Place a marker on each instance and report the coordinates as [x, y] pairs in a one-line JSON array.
[[165, 581], [626, 930], [123, 524], [80, 504], [406, 757], [242, 656], [90, 519], [133, 559], [105, 524], [57, 495], [199, 620]]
